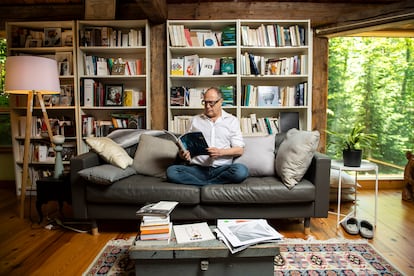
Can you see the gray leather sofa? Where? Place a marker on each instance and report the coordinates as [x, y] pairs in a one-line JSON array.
[[257, 197]]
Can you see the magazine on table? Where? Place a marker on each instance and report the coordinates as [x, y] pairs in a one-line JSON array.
[[194, 142], [162, 209], [239, 234], [194, 232]]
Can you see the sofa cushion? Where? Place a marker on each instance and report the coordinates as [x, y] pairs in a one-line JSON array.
[[258, 155], [154, 155], [254, 190], [295, 155], [141, 189], [110, 151], [106, 174]]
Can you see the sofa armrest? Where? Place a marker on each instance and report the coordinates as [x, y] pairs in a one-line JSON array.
[[319, 174], [78, 184]]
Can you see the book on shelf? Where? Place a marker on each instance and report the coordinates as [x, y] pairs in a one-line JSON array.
[[177, 95], [161, 209], [193, 232], [227, 66], [191, 65], [207, 66], [194, 142], [177, 67], [194, 97], [239, 234], [267, 95]]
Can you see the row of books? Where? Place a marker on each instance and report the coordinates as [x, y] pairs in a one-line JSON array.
[[43, 152], [180, 36], [192, 97], [48, 37], [103, 66], [193, 65], [59, 126], [101, 128], [110, 37], [251, 64], [273, 35], [95, 93], [259, 126], [265, 95]]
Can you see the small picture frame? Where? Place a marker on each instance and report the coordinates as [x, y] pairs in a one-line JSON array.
[[33, 43], [53, 37], [114, 94], [64, 69]]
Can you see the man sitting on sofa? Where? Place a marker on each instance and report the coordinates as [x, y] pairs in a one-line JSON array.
[[223, 135]]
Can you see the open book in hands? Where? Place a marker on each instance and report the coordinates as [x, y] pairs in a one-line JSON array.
[[194, 142]]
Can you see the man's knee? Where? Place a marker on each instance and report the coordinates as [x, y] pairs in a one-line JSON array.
[[241, 172]]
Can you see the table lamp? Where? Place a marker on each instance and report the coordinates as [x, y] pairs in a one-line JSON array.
[[31, 75]]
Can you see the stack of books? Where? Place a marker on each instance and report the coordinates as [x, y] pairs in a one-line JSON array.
[[155, 220], [239, 234], [155, 228]]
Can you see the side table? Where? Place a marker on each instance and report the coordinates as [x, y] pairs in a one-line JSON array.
[[365, 166], [51, 188]]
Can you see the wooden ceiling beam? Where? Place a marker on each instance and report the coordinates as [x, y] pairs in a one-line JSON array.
[[155, 10]]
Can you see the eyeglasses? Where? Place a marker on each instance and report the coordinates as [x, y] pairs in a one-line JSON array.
[[210, 103]]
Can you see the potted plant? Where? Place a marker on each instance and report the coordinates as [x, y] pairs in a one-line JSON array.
[[352, 144]]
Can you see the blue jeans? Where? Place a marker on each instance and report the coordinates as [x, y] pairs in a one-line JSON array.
[[200, 176]]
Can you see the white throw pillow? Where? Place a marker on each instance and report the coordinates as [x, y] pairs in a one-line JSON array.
[[347, 180], [259, 156], [110, 151], [154, 155], [295, 155]]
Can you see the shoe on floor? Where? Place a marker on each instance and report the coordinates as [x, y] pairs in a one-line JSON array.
[[351, 226], [366, 229]]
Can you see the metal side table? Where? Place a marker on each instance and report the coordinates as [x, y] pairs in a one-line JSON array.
[[365, 166]]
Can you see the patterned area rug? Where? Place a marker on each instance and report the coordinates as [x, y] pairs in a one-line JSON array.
[[297, 257]]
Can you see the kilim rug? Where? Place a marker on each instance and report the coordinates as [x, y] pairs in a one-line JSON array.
[[297, 257]]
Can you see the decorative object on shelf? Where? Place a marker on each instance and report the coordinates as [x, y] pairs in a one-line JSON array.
[[58, 140], [352, 144], [31, 75]]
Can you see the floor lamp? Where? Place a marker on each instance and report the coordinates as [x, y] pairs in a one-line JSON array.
[[31, 76]]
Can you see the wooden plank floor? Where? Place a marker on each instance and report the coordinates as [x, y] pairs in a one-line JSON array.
[[27, 248]]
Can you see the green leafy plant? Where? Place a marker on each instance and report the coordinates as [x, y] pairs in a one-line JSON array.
[[353, 140]]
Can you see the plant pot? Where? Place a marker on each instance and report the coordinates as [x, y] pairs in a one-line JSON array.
[[352, 158]]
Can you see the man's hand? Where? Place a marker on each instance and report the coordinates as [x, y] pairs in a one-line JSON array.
[[185, 154]]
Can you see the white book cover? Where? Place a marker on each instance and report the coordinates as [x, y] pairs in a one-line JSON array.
[[194, 232], [267, 95], [195, 96], [191, 64], [207, 66], [88, 92]]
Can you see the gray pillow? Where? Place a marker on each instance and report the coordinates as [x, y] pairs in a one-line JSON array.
[[295, 155], [106, 174], [154, 155], [259, 155]]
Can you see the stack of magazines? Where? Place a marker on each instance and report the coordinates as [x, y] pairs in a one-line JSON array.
[[238, 234]]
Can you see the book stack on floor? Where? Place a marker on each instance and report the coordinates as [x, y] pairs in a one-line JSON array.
[[155, 220]]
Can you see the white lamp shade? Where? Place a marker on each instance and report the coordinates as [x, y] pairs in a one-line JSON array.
[[31, 73]]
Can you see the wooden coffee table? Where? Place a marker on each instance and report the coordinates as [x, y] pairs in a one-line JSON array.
[[201, 258]]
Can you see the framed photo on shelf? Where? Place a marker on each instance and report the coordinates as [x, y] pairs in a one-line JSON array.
[[53, 37], [33, 43], [114, 94]]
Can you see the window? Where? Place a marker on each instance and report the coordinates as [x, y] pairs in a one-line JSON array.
[[371, 81]]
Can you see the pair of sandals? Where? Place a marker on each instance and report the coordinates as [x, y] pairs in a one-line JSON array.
[[353, 226]]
